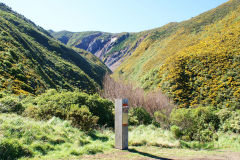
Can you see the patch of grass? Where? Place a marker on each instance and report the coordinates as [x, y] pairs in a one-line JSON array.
[[152, 136], [228, 141]]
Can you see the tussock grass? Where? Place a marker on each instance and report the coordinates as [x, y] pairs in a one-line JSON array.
[[228, 141]]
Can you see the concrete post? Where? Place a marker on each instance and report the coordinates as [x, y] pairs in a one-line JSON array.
[[121, 123]]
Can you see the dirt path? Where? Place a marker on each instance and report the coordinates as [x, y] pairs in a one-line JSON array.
[[149, 153]]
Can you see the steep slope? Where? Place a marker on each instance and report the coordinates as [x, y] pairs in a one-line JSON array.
[[32, 61], [111, 48], [194, 62]]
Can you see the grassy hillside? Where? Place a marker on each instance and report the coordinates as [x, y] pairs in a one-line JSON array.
[[31, 61], [194, 62]]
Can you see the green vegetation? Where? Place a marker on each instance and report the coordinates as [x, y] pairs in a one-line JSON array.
[[57, 139], [31, 61], [63, 124], [59, 124]]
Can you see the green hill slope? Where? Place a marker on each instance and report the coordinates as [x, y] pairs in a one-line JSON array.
[[32, 61], [194, 62]]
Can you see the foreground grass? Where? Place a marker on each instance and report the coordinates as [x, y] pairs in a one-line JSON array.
[[52, 139], [57, 139]]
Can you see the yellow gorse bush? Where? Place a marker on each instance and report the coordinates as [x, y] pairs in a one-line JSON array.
[[208, 72]]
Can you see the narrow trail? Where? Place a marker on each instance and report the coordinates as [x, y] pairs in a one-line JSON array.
[[150, 153]]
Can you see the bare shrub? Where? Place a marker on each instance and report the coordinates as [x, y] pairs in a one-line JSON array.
[[151, 101]]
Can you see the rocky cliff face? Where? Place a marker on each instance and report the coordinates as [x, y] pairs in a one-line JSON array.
[[112, 49]]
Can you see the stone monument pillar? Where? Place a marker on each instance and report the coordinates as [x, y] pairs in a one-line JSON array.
[[121, 124]]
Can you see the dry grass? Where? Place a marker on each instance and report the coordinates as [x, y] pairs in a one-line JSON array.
[[151, 101]]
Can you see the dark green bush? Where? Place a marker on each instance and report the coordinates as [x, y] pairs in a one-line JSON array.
[[102, 108], [198, 124], [33, 112], [10, 104], [162, 119], [11, 149], [69, 105], [82, 117], [138, 116]]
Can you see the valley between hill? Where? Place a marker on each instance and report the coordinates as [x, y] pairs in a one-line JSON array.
[[57, 98]]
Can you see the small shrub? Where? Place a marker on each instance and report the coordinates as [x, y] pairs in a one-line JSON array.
[[11, 149], [46, 111], [162, 119], [32, 112], [176, 131], [223, 115], [75, 152], [138, 116], [101, 108], [198, 124], [230, 120], [82, 117]]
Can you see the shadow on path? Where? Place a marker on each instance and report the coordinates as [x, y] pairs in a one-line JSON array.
[[147, 154]]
